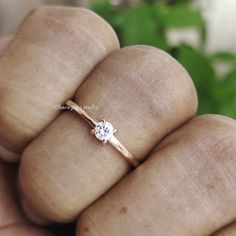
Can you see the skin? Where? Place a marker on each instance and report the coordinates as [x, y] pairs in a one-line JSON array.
[[12, 220], [60, 52], [59, 155], [174, 183], [229, 230], [186, 187]]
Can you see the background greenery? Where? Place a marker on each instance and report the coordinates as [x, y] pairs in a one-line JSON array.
[[147, 22]]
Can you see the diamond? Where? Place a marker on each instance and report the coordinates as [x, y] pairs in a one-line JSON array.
[[104, 131]]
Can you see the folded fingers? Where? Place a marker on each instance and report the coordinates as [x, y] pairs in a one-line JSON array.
[[53, 52], [143, 92], [186, 187]]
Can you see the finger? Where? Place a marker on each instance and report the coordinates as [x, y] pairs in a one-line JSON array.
[[4, 43], [12, 221], [186, 187], [55, 49], [142, 91], [229, 230], [9, 207]]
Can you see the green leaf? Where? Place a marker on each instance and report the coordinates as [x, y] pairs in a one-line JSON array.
[[147, 23], [105, 10], [226, 95], [178, 1], [183, 16], [202, 73], [198, 66], [223, 57], [139, 25]]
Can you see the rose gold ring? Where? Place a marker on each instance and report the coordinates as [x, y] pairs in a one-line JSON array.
[[104, 131]]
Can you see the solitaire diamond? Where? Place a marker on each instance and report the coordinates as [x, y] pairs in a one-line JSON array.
[[104, 131]]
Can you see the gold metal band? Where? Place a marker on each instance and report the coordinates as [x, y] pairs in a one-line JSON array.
[[113, 140], [123, 150]]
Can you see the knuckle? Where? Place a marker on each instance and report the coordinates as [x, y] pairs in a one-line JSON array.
[[219, 132], [224, 144]]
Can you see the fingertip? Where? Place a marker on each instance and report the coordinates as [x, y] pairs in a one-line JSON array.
[[55, 48], [27, 210], [30, 215], [4, 43], [8, 155]]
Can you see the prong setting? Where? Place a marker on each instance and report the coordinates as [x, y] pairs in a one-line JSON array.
[[104, 141], [104, 132]]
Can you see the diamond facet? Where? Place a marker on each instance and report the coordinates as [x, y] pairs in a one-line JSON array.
[[103, 131]]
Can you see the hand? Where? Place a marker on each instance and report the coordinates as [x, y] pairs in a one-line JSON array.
[[12, 220], [186, 186]]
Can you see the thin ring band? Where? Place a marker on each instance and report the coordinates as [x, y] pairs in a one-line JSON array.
[[104, 131]]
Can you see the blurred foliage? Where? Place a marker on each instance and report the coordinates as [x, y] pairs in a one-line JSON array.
[[148, 23]]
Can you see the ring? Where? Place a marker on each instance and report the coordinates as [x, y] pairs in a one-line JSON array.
[[104, 132]]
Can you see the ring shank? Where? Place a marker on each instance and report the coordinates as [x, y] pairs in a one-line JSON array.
[[82, 113], [113, 141], [123, 150]]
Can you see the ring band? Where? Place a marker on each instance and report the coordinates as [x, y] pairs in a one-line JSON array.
[[104, 131]]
